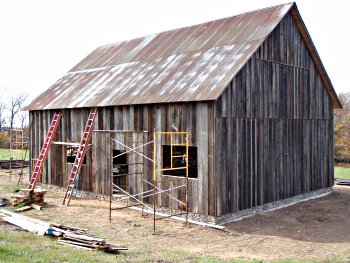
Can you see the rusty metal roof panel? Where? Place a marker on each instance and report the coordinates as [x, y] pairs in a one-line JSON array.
[[189, 64]]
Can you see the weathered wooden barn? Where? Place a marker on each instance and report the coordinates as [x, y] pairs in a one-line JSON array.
[[250, 89]]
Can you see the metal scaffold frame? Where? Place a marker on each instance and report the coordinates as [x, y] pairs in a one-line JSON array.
[[156, 190], [17, 144]]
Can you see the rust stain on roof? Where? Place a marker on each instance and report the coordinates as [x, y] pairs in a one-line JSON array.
[[188, 64]]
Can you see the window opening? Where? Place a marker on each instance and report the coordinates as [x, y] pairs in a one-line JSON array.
[[179, 160], [72, 153], [120, 168]]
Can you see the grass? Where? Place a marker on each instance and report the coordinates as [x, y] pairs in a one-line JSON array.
[[5, 154], [19, 246], [28, 247], [342, 173]]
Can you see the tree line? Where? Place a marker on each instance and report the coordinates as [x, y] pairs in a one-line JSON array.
[[11, 115], [11, 110], [342, 130]]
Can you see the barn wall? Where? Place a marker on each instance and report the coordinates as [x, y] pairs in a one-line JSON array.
[[273, 126], [196, 118]]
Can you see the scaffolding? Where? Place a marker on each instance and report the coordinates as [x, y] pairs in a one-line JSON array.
[[18, 143], [152, 187], [124, 170]]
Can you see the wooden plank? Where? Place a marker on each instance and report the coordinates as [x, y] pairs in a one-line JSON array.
[[203, 153], [240, 165], [211, 154], [248, 104], [234, 169], [74, 244], [218, 165], [27, 225], [23, 209], [36, 207], [248, 160]]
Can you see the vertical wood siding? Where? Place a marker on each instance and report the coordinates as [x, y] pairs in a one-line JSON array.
[[197, 119], [273, 127]]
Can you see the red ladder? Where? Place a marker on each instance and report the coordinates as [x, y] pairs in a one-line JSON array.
[[72, 179], [44, 150]]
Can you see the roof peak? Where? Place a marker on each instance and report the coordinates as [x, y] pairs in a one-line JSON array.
[[289, 4]]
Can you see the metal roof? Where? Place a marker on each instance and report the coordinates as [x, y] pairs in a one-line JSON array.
[[188, 64]]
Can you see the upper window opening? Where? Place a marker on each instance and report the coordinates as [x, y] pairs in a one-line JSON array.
[[179, 160], [72, 153]]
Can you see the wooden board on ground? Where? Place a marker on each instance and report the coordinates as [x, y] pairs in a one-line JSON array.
[[23, 209]]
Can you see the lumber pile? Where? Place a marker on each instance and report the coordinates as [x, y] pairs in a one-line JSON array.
[[14, 164], [30, 224], [26, 196], [67, 235], [87, 242], [346, 183]]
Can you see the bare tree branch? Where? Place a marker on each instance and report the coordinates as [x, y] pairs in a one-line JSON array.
[[15, 105], [23, 118], [2, 114]]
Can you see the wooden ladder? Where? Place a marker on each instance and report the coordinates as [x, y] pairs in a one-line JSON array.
[[84, 143], [44, 150]]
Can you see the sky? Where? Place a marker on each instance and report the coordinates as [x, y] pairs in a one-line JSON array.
[[41, 40]]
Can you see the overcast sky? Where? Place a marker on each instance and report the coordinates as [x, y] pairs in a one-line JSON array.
[[41, 40]]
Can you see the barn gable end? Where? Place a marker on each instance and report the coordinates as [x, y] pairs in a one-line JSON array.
[[273, 125]]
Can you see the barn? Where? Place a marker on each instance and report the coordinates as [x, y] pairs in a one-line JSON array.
[[250, 92]]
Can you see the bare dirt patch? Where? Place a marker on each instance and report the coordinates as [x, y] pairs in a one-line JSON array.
[[318, 229]]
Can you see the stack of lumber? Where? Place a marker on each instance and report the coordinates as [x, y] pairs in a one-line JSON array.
[[346, 183], [67, 235], [27, 196], [88, 242], [30, 224], [14, 164]]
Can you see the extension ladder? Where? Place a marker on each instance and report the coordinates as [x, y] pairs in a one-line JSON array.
[[86, 137], [44, 150]]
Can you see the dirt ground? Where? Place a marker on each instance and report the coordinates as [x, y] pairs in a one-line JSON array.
[[318, 229]]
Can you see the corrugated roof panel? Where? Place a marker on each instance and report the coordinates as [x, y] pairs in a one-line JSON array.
[[189, 64]]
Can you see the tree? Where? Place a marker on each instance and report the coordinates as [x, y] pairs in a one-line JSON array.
[[23, 118], [342, 130], [2, 114], [15, 106]]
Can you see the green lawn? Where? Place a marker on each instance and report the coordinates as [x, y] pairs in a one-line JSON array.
[[28, 247], [5, 154], [18, 246], [342, 172]]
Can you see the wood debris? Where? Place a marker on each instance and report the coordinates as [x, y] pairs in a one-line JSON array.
[[67, 235], [30, 224], [36, 207], [26, 197], [14, 164], [346, 183], [23, 209]]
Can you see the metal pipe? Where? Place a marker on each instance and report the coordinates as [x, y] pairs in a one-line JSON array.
[[111, 186], [132, 150], [186, 194], [165, 192], [154, 179], [137, 200]]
